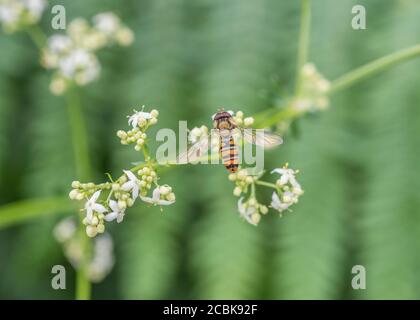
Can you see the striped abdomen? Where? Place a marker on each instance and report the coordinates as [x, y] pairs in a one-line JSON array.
[[229, 153]]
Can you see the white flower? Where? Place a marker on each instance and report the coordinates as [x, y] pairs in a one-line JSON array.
[[196, 134], [132, 184], [106, 22], [65, 229], [277, 204], [248, 212], [139, 118], [103, 258], [35, 7], [287, 176], [91, 206], [80, 65], [156, 200], [116, 213], [9, 14], [59, 43]]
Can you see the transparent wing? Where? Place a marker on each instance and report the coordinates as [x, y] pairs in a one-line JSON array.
[[200, 150], [263, 138]]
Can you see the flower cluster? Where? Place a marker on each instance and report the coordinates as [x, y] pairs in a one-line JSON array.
[[18, 14], [241, 121], [72, 55], [140, 122], [102, 257], [124, 191], [287, 192], [313, 96]]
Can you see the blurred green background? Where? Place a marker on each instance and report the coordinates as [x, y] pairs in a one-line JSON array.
[[359, 160]]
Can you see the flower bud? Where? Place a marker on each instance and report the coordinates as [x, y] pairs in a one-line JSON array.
[[153, 121], [154, 113], [249, 180], [100, 228], [171, 197], [263, 209], [237, 191], [73, 194], [232, 177], [75, 184], [91, 231], [256, 217], [248, 121], [122, 204]]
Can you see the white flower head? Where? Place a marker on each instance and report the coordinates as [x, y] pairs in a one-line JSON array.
[[106, 22], [103, 258], [156, 199], [197, 133], [65, 229], [91, 206], [249, 212], [277, 204], [132, 184], [117, 213], [139, 118], [79, 65], [287, 176]]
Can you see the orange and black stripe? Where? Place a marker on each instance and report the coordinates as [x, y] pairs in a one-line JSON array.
[[229, 153]]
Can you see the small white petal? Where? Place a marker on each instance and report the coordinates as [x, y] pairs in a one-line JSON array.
[[95, 196], [156, 195], [111, 216], [130, 175], [128, 186], [99, 208]]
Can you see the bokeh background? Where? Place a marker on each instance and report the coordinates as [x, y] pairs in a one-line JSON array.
[[359, 160]]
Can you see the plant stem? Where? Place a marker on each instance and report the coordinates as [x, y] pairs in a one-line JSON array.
[[373, 68], [83, 168], [37, 36], [303, 48], [266, 184], [79, 134]]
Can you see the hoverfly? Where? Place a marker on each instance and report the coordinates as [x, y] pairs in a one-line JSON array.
[[226, 130]]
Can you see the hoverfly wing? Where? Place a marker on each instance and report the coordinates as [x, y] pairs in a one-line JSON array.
[[198, 151], [262, 138]]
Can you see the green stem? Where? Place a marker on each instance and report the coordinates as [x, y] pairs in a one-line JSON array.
[[25, 210], [83, 168], [303, 48], [373, 68], [79, 134], [266, 184], [83, 285], [37, 36]]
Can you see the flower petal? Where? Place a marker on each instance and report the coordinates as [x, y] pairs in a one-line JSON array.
[[130, 175], [128, 186], [156, 194], [99, 208], [146, 199], [95, 196], [165, 202], [111, 216]]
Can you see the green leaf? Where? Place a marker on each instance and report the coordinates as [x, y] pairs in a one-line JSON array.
[[25, 210]]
